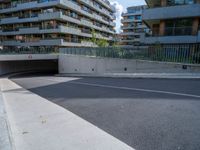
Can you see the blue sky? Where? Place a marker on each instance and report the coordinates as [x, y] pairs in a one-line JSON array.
[[121, 6], [127, 3]]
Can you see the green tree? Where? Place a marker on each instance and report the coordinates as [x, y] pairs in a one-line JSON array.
[[98, 42], [102, 43], [94, 37]]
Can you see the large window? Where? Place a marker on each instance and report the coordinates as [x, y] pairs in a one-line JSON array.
[[179, 27], [179, 23]]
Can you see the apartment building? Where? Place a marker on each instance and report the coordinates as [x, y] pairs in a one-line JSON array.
[[173, 21], [133, 27], [55, 23]]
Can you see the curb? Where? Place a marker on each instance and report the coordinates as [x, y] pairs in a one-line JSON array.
[[136, 76]]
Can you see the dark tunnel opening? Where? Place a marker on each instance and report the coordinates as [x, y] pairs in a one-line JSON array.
[[29, 66]]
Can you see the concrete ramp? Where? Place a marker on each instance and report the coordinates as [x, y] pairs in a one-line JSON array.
[[37, 124]]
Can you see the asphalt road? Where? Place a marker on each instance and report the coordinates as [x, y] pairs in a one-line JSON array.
[[147, 114]]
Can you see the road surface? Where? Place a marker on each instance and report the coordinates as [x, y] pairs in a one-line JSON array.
[[147, 114]]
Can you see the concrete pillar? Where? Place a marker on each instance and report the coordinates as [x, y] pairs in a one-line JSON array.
[[195, 26], [54, 24], [29, 13], [162, 28], [43, 37], [163, 3]]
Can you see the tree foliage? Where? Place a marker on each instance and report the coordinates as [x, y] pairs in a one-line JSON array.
[[99, 42]]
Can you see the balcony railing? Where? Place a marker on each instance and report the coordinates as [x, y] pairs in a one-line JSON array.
[[72, 40], [169, 4], [173, 31], [178, 31], [14, 4], [30, 50]]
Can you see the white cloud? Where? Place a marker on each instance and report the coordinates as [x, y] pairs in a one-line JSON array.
[[119, 10]]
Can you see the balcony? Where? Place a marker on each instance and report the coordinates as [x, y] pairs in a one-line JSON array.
[[130, 33], [76, 7], [35, 4], [10, 43], [132, 14], [28, 5], [19, 31], [173, 35], [127, 20], [87, 44], [43, 16], [184, 11], [178, 31], [131, 20], [99, 18], [173, 31], [53, 15], [131, 40], [50, 29], [113, 24], [106, 3], [157, 3], [87, 23], [47, 29], [172, 39], [17, 20], [101, 10], [77, 43], [133, 27]]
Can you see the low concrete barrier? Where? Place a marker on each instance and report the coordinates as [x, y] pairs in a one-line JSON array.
[[74, 64]]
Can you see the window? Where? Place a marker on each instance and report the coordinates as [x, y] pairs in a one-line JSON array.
[[179, 2], [131, 17], [86, 9], [179, 27], [138, 17]]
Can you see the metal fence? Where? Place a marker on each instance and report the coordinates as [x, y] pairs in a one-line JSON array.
[[188, 53], [184, 53], [31, 50]]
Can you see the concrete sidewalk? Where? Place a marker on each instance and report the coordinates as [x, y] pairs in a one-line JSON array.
[[139, 75], [37, 124], [5, 142]]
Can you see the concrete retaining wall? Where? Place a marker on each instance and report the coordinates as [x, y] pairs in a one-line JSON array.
[[74, 64], [30, 65]]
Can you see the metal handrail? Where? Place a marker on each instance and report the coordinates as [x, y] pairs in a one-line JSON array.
[[33, 50], [185, 53]]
